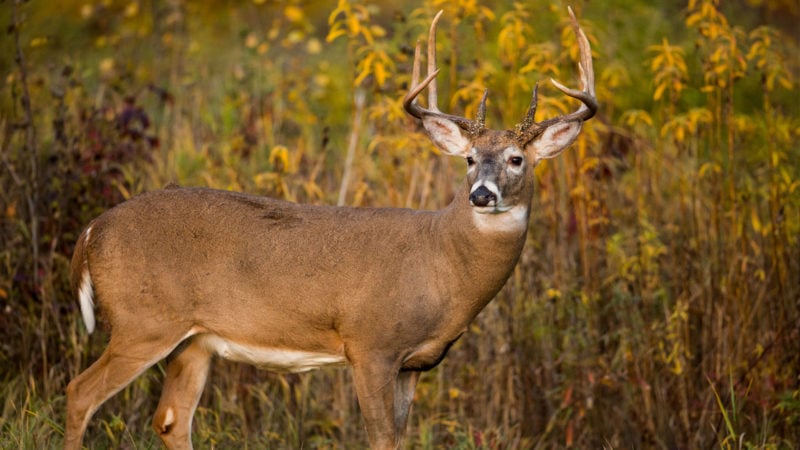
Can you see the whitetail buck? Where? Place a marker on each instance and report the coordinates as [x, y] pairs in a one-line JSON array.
[[193, 273]]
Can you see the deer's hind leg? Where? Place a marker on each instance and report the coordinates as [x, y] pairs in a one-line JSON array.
[[130, 351], [187, 371]]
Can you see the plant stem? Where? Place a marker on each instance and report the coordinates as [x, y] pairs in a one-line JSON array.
[[29, 145], [359, 99]]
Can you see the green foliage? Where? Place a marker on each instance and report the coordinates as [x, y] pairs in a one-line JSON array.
[[655, 304]]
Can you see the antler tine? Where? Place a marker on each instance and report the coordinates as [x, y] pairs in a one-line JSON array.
[[529, 128], [410, 100], [415, 68], [587, 94], [482, 110], [432, 90], [529, 116]]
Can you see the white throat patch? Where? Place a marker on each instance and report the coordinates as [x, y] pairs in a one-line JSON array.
[[512, 220]]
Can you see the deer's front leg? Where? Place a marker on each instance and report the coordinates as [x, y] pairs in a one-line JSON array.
[[375, 388], [403, 397]]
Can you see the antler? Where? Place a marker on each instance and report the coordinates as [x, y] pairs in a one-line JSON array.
[[529, 129], [473, 127]]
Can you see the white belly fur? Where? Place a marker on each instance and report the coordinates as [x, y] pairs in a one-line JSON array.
[[269, 358]]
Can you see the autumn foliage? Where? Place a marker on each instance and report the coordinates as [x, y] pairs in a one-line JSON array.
[[657, 301]]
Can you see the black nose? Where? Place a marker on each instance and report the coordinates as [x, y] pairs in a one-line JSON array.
[[482, 197]]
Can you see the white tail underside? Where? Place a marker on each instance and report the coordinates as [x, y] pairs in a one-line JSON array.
[[86, 292]]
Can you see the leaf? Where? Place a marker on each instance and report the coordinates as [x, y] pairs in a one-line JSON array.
[[633, 117], [589, 164], [279, 158], [693, 19], [567, 397], [380, 74], [659, 91], [38, 42], [570, 434], [353, 25], [11, 210], [709, 166], [680, 134], [342, 7], [377, 31], [293, 13], [366, 68], [553, 294], [755, 221], [313, 190], [453, 393], [722, 408], [335, 32]]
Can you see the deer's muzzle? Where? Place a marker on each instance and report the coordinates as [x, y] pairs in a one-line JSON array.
[[482, 196]]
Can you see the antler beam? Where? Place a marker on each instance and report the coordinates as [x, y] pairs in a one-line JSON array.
[[529, 128], [410, 103]]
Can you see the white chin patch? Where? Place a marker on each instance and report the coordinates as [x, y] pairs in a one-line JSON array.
[[492, 219]]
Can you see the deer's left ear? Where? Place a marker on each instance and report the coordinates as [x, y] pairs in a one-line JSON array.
[[446, 135], [554, 140]]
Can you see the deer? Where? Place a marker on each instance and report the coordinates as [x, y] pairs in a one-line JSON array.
[[189, 274]]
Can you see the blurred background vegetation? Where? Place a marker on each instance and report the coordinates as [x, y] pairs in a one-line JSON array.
[[656, 304]]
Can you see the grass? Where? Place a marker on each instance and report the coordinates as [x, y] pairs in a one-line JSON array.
[[656, 303]]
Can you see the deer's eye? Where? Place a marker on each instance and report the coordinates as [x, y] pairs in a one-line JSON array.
[[515, 161], [470, 161]]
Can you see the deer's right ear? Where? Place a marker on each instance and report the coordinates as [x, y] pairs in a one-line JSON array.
[[446, 135]]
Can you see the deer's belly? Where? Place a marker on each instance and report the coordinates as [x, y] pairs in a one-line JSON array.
[[283, 360]]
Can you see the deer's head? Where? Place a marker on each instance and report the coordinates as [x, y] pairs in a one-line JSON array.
[[500, 162]]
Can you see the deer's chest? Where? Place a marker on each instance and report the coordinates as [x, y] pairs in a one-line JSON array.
[[428, 354]]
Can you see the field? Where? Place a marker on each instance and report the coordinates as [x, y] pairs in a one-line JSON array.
[[656, 303]]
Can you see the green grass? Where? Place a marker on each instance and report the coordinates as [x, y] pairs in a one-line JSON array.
[[655, 304]]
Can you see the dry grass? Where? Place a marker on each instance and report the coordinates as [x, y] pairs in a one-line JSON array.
[[656, 304]]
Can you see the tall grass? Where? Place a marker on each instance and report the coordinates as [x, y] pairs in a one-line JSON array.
[[656, 303]]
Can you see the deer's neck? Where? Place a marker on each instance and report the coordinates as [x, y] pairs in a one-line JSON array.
[[480, 250]]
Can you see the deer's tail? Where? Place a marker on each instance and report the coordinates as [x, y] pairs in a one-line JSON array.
[[82, 279]]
